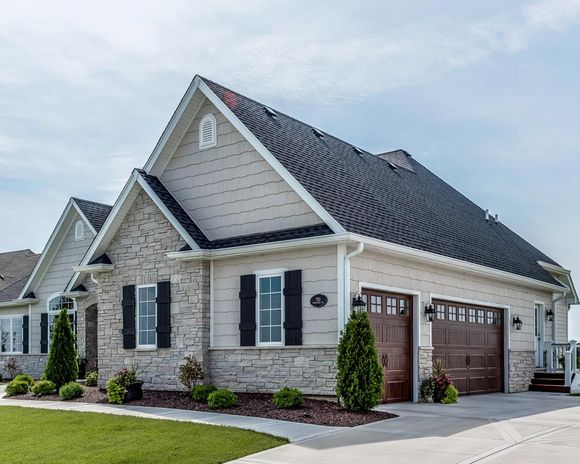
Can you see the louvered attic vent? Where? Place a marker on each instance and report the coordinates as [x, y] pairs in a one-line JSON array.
[[357, 150], [318, 133], [207, 131], [270, 112]]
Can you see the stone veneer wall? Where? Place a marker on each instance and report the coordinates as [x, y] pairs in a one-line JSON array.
[[32, 364], [425, 363], [522, 365], [312, 370], [138, 252]]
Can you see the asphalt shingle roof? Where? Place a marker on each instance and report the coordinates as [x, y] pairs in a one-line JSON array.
[[16, 265], [96, 213], [12, 291], [361, 191]]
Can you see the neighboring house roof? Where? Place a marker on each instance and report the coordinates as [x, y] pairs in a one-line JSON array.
[[96, 213], [15, 266], [366, 195], [12, 291]]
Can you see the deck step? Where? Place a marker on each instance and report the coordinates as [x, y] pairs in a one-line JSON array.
[[548, 375], [548, 381], [549, 388]]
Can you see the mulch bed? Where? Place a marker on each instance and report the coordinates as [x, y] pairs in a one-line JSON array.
[[319, 412]]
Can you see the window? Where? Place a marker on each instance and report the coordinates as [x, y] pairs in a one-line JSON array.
[[490, 317], [11, 334], [452, 313], [55, 305], [80, 230], [461, 314], [441, 312], [480, 316], [472, 315], [403, 307], [207, 132], [376, 304], [270, 309], [146, 315]]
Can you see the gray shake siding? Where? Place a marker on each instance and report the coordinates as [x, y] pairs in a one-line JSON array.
[[138, 251], [229, 189]]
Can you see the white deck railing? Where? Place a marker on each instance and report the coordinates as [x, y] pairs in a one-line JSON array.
[[562, 357]]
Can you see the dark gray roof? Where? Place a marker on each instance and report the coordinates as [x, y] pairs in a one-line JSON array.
[[361, 191], [399, 158], [12, 291], [204, 243], [16, 265], [96, 213]]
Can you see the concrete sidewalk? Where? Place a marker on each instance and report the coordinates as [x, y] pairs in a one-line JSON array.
[[521, 428], [293, 431]]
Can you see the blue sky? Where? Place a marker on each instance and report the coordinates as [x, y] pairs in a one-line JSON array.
[[485, 94]]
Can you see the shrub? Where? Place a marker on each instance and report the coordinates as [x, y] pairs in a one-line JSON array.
[[427, 389], [17, 387], [12, 368], [360, 377], [71, 390], [441, 379], [43, 387], [191, 372], [126, 377], [92, 379], [450, 396], [25, 378], [115, 391], [221, 399], [201, 392], [288, 398], [62, 365]]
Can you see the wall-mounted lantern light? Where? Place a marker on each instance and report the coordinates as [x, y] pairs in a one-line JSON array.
[[358, 304], [517, 322], [429, 312], [550, 315]]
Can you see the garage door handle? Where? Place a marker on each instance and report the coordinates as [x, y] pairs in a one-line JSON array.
[[385, 360]]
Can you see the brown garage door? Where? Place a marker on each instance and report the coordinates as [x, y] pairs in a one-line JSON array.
[[468, 340], [391, 318]]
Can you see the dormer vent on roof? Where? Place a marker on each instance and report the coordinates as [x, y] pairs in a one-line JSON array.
[[270, 112], [318, 133]]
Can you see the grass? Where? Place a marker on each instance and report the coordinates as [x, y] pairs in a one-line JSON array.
[[43, 436]]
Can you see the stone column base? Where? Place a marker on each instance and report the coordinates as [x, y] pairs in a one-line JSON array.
[[522, 365]]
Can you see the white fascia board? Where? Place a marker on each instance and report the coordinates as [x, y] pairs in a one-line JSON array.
[[271, 159], [84, 218], [259, 248], [452, 263], [19, 302], [44, 261], [93, 268]]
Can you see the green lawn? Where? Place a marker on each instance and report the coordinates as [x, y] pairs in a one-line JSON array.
[[42, 436]]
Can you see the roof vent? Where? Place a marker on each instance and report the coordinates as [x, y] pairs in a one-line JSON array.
[[487, 214], [392, 166], [270, 112], [497, 218], [357, 150], [318, 133]]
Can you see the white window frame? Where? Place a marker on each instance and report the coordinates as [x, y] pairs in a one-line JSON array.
[[265, 274], [137, 317], [11, 318], [79, 230], [213, 142], [52, 314]]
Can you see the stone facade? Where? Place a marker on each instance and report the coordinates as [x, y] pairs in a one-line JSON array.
[[32, 364], [312, 370], [425, 363], [138, 252], [522, 365]]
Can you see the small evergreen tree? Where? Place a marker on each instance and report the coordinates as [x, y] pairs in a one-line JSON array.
[[359, 379], [62, 366]]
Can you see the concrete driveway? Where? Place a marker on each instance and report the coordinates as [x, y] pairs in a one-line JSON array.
[[518, 428]]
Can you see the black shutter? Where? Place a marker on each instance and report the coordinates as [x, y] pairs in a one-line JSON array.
[[248, 310], [44, 332], [128, 317], [163, 314], [25, 332], [293, 307]]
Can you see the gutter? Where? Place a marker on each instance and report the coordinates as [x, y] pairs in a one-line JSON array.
[[93, 268], [21, 302]]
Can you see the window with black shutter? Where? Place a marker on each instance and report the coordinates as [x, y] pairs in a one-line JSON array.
[[163, 314], [293, 307], [248, 310], [128, 304]]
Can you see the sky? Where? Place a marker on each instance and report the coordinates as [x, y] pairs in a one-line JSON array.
[[485, 94]]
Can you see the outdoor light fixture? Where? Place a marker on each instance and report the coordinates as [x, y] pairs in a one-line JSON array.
[[357, 302], [550, 315], [517, 323], [429, 312]]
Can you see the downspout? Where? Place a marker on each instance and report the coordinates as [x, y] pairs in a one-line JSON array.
[[95, 281], [346, 296]]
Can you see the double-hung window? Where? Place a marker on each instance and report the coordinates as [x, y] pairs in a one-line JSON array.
[[270, 308], [55, 305], [146, 316], [11, 334]]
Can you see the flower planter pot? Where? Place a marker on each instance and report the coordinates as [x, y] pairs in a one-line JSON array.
[[134, 392], [438, 396]]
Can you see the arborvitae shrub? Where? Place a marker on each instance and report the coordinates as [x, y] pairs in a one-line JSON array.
[[62, 365], [359, 378]]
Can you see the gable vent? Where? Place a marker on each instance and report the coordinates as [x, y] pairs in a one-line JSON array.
[[318, 133], [207, 131], [270, 112], [357, 150]]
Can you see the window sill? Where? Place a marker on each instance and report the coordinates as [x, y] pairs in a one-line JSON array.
[[272, 347], [146, 348]]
